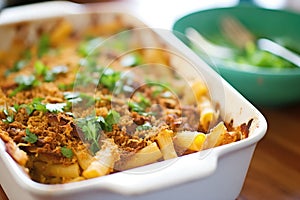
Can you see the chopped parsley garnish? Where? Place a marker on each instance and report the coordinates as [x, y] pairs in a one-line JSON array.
[[88, 47], [16, 107], [40, 68], [30, 137], [48, 75], [134, 106], [37, 105], [24, 83], [131, 60], [157, 90], [110, 78], [145, 126], [56, 107], [92, 126], [43, 45], [140, 106], [60, 69], [72, 96], [88, 62], [65, 87], [9, 115], [112, 118], [20, 64], [76, 97], [85, 78], [66, 152]]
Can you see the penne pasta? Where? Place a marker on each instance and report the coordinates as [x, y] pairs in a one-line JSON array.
[[190, 140], [104, 160], [61, 32], [215, 136], [147, 155], [208, 114], [165, 143], [84, 158], [199, 89], [16, 153], [57, 170]]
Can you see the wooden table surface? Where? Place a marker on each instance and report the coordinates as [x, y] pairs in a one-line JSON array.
[[274, 172]]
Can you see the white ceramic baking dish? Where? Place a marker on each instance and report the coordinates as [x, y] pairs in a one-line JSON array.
[[217, 173]]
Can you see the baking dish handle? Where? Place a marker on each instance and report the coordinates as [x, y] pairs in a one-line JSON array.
[[163, 174]]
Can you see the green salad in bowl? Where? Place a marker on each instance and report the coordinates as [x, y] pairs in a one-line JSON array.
[[262, 77], [252, 55]]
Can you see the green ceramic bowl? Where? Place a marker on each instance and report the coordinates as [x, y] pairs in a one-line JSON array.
[[263, 86]]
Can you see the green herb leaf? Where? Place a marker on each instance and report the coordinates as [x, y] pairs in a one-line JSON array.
[[112, 118], [20, 64], [145, 126], [55, 107], [134, 106], [70, 96], [85, 78], [43, 45], [76, 97], [25, 80], [36, 104], [60, 69], [43, 71], [65, 87], [140, 106], [16, 107], [30, 137], [131, 60], [49, 76], [88, 47], [24, 83], [110, 78], [66, 152], [40, 68], [91, 129], [9, 115]]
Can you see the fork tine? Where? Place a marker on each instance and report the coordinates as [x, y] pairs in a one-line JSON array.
[[236, 32]]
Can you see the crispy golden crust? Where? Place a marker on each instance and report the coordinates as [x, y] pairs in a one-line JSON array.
[[49, 127]]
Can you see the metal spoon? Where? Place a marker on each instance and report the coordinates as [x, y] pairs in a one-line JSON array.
[[206, 46], [276, 49]]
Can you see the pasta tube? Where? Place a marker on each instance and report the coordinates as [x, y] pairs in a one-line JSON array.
[[165, 142], [208, 114], [199, 89], [104, 160], [215, 136], [58, 170], [61, 32], [16, 153], [84, 158], [190, 140], [147, 155]]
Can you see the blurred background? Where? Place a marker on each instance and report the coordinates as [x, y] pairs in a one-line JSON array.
[[275, 169], [290, 4]]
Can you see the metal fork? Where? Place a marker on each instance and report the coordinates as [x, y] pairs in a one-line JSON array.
[[202, 44], [240, 36], [236, 32]]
